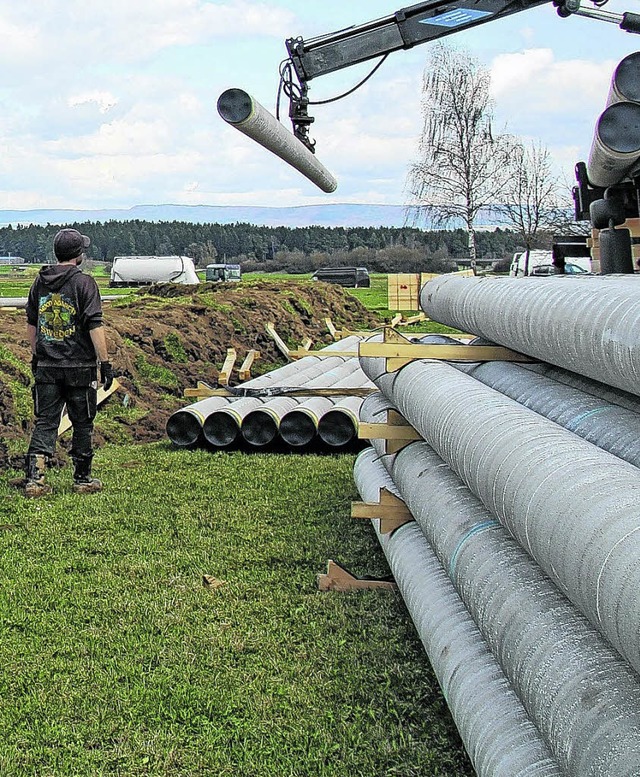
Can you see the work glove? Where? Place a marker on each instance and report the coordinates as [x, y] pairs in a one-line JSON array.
[[106, 375], [34, 363]]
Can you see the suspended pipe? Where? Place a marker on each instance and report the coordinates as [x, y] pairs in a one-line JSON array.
[[582, 696], [586, 325], [609, 426], [573, 507], [496, 731]]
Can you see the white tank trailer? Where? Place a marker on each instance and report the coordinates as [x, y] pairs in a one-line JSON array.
[[142, 270]]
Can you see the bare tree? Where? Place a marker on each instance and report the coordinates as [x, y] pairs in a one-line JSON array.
[[532, 202], [461, 165]]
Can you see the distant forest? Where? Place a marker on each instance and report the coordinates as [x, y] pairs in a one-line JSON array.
[[269, 249]]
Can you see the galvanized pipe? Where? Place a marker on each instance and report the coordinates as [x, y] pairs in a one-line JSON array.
[[582, 696], [573, 507], [494, 726], [587, 325]]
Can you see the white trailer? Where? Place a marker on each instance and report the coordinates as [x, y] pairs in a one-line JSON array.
[[142, 270]]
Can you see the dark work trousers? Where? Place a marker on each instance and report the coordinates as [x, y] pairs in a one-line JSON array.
[[54, 388]]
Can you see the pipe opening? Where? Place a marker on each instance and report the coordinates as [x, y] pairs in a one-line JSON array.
[[220, 429], [297, 429], [337, 429], [259, 428], [184, 429]]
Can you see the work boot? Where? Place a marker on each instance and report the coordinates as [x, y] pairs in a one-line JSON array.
[[35, 486], [83, 483]]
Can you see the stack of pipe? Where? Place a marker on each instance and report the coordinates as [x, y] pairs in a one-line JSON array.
[[526, 495], [219, 422]]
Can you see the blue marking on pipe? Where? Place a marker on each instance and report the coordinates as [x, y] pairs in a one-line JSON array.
[[477, 529], [578, 419]]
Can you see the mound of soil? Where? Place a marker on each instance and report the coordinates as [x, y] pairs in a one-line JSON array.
[[166, 339]]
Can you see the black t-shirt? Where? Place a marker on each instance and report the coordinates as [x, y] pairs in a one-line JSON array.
[[64, 305]]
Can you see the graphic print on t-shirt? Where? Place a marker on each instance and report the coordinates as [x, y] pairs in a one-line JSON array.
[[56, 317]]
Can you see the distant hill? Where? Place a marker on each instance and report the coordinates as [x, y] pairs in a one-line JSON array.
[[338, 215]]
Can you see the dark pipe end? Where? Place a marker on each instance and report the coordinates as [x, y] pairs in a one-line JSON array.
[[220, 430], [259, 429], [337, 429], [297, 429], [184, 429], [235, 106]]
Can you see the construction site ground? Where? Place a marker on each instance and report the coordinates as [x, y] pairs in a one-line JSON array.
[[164, 339]]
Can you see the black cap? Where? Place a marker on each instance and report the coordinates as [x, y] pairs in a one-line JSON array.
[[69, 244]]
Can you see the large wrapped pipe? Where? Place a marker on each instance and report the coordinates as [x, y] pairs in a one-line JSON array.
[[494, 727], [582, 696], [338, 426], [615, 148], [573, 507], [242, 111], [586, 325], [609, 426], [608, 393]]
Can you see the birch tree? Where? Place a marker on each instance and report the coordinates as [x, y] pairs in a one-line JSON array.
[[461, 166]]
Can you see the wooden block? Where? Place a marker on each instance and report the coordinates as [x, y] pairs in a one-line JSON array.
[[281, 345], [390, 510], [331, 328], [338, 578], [249, 359], [225, 373]]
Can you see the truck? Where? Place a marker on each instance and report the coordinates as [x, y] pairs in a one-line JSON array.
[[144, 270], [219, 273], [540, 262], [354, 277]]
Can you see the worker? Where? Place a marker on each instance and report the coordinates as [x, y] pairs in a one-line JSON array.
[[67, 339]]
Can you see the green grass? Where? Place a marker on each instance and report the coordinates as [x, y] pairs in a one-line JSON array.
[[116, 660]]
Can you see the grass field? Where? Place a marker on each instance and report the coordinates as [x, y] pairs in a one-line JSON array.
[[116, 660]]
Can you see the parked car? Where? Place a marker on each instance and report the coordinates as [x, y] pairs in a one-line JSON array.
[[569, 269], [353, 277]]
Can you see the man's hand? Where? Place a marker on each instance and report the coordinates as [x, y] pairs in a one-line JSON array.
[[34, 363], [106, 375]]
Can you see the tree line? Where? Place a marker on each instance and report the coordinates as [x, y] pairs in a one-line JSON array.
[[268, 249]]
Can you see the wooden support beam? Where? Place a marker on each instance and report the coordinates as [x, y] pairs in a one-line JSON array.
[[338, 578], [396, 319], [331, 328], [399, 351], [390, 510], [202, 390], [300, 353], [387, 431], [280, 343], [225, 373], [247, 364], [65, 422], [307, 343]]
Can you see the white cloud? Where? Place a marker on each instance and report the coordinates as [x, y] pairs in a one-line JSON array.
[[104, 101]]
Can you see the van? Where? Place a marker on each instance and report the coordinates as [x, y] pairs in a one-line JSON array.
[[541, 263], [352, 277], [222, 272]]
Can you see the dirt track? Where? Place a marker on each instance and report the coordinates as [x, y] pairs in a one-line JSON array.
[[163, 342]]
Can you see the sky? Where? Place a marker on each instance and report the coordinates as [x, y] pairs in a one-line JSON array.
[[113, 104]]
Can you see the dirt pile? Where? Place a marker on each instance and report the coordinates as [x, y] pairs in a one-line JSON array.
[[165, 340]]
